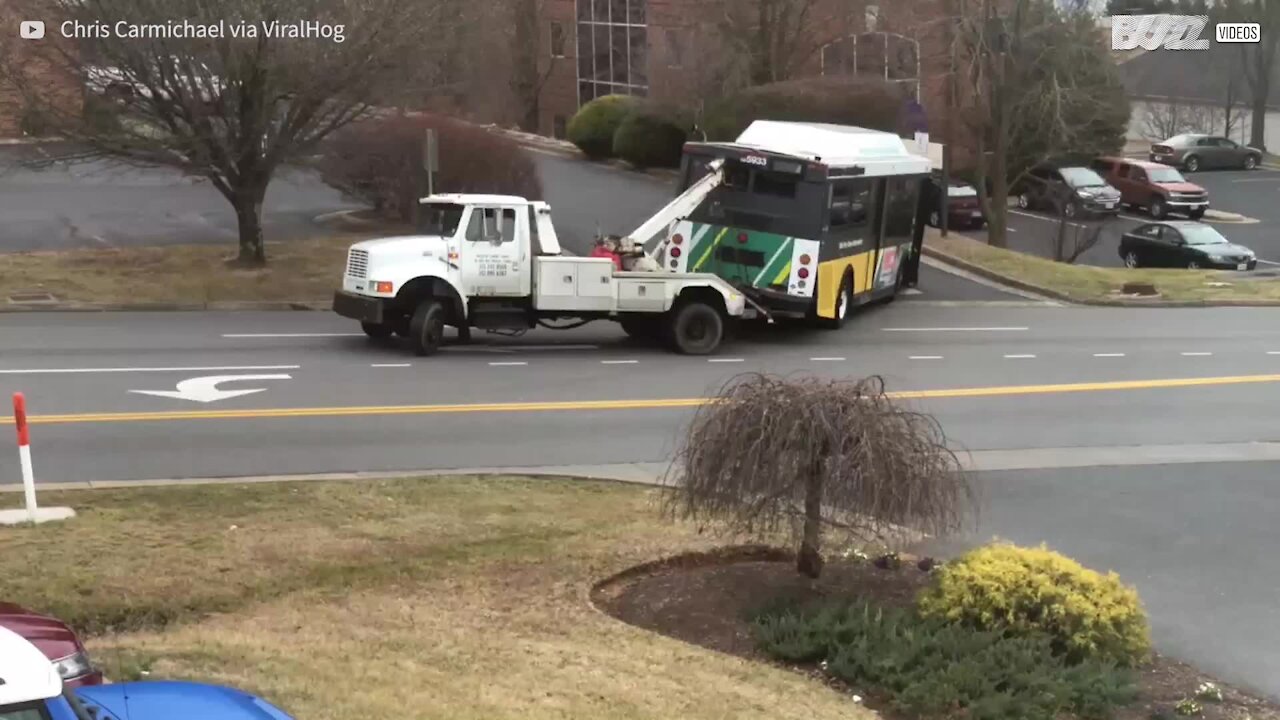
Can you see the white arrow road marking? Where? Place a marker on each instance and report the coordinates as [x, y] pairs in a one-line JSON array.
[[205, 389]]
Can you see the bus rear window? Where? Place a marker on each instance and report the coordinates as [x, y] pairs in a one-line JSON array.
[[770, 184]]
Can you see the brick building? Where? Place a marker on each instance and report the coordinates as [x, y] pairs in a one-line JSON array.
[[658, 49]]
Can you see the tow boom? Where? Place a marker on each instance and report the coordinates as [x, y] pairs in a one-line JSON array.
[[679, 208]]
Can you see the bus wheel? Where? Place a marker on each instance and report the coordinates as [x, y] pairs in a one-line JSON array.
[[844, 303]]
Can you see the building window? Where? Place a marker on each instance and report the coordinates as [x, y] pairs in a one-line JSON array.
[[557, 40], [559, 127], [888, 56], [613, 49], [675, 47]]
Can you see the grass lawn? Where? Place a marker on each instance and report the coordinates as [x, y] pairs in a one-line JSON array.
[[301, 270], [441, 598], [1083, 282]]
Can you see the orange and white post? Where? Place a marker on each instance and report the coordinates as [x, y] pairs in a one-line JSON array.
[[24, 455], [33, 513]]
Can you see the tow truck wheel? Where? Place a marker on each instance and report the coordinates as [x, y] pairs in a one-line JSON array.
[[696, 329], [377, 331], [426, 329]]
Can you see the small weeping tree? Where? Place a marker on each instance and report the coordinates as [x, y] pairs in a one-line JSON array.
[[811, 457]]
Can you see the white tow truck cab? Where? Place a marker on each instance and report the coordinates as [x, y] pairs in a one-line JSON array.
[[493, 262]]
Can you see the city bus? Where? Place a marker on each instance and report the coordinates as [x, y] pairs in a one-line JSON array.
[[809, 220]]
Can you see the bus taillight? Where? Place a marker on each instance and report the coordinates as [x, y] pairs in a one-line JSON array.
[[676, 239], [803, 273], [675, 252]]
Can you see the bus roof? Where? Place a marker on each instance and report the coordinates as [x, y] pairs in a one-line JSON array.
[[878, 153]]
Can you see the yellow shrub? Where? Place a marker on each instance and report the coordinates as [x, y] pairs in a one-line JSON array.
[[1001, 586]]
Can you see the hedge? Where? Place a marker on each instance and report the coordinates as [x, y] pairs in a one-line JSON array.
[[650, 137], [379, 160], [593, 127]]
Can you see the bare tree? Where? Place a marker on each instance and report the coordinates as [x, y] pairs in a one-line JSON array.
[[1037, 83], [1258, 60], [230, 90], [1163, 120], [811, 456], [1072, 238], [533, 63], [775, 38]]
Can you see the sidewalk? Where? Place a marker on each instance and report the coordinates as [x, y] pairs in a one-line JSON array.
[[653, 473]]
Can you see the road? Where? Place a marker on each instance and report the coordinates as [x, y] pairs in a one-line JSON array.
[[1254, 194], [1040, 382]]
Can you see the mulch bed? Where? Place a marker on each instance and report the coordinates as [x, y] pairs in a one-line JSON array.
[[706, 599]]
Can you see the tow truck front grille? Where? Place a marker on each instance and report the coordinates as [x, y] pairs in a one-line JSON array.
[[358, 264]]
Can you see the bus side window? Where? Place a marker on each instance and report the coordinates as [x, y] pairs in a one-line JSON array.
[[850, 201]]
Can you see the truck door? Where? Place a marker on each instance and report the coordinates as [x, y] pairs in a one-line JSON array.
[[495, 256]]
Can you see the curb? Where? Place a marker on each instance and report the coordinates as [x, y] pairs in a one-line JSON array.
[[996, 277], [230, 306]]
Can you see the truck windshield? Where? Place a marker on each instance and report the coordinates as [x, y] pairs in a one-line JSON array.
[[439, 219]]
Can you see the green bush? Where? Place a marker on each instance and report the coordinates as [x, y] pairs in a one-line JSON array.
[[649, 137], [860, 102], [593, 127], [934, 668], [1024, 590]]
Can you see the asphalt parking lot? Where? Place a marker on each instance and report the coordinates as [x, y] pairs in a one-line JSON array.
[[1254, 194]]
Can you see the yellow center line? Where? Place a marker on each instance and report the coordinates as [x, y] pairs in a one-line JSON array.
[[587, 405]]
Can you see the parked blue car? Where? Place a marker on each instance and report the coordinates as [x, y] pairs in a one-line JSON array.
[[31, 689]]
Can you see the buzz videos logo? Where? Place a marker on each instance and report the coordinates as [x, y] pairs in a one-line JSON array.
[[1176, 32]]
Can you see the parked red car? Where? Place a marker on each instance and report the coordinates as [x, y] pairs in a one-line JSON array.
[[1158, 189], [963, 210], [55, 640]]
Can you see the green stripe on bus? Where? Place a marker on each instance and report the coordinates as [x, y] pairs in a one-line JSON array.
[[779, 258], [710, 247]]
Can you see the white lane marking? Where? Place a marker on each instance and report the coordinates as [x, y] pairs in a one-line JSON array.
[[912, 291], [826, 359], [1273, 352], [391, 365], [1106, 355], [957, 329], [619, 362], [1019, 357], [726, 360], [290, 335], [72, 371], [1245, 180], [925, 357], [1268, 262], [1196, 354], [506, 364]]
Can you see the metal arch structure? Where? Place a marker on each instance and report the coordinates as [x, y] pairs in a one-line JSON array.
[[912, 43]]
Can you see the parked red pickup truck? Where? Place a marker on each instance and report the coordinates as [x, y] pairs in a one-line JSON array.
[[1156, 188], [56, 640]]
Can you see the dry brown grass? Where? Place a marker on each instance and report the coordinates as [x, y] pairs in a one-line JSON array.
[[301, 270], [1085, 283], [432, 598]]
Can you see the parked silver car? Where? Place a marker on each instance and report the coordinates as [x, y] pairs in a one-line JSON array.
[[1193, 152]]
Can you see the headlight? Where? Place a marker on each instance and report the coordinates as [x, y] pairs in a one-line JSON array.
[[1218, 258], [1084, 193], [73, 666]]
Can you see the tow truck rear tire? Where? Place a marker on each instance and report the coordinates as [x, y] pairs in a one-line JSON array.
[[695, 328], [426, 329]]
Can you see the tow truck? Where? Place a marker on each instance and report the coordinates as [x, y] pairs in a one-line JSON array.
[[494, 262]]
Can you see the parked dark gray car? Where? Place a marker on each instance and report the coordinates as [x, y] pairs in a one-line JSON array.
[[1068, 189], [1193, 152]]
